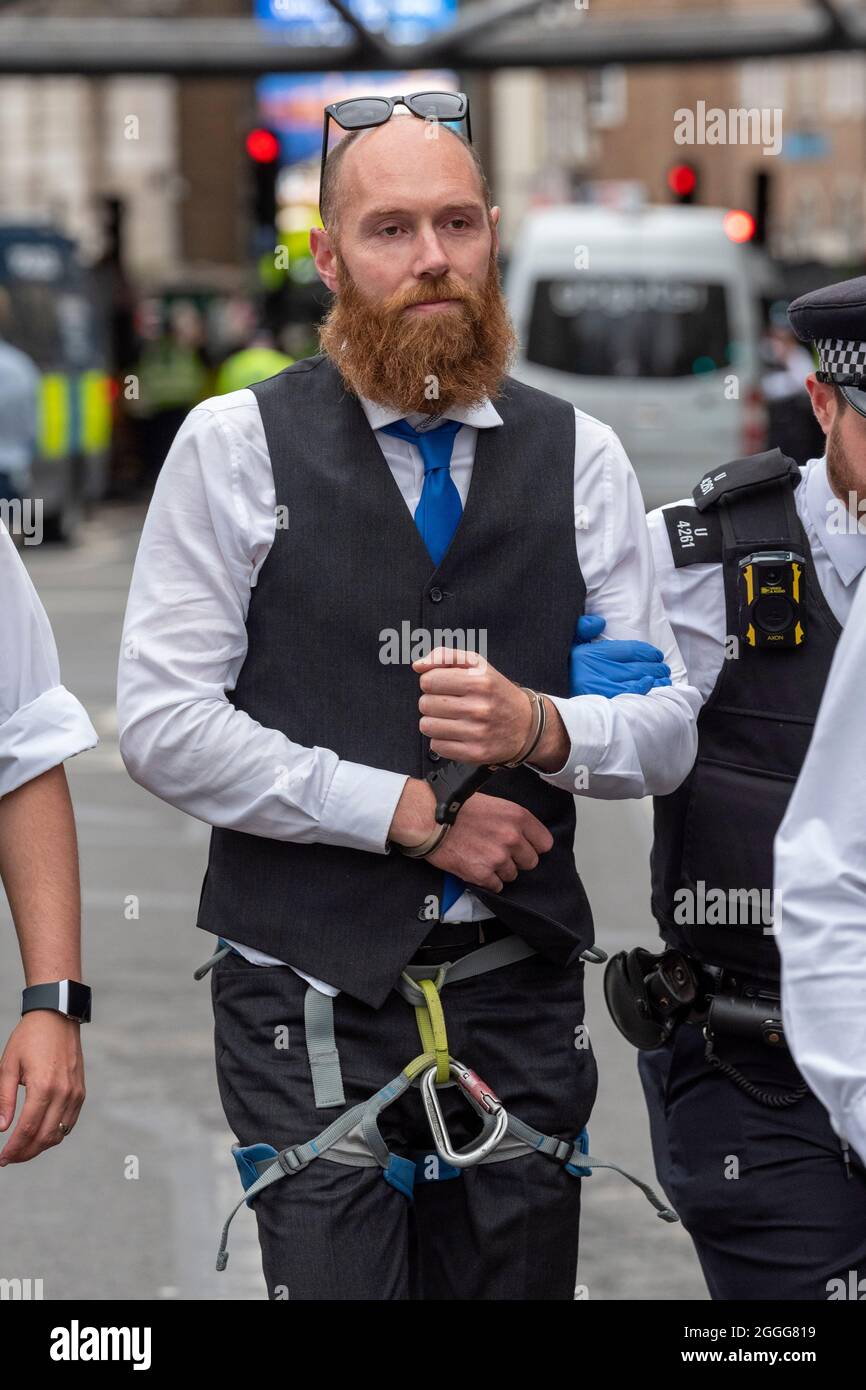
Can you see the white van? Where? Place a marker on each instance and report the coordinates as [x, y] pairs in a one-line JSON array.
[[651, 321]]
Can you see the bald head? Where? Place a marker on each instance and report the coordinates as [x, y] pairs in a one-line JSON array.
[[397, 158]]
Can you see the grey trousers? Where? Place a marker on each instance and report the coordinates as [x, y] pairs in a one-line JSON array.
[[499, 1231]]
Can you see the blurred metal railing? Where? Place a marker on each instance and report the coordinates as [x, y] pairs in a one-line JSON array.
[[488, 35]]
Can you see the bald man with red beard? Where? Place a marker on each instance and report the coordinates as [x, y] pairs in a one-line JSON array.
[[398, 476]]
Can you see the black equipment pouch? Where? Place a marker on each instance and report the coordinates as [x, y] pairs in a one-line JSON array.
[[746, 1018], [741, 1019], [647, 995]]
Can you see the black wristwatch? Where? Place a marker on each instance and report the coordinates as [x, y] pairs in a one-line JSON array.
[[67, 997]]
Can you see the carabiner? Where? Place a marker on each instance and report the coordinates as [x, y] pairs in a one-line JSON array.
[[482, 1099]]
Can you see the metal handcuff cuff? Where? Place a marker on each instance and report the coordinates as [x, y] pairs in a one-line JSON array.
[[453, 783]]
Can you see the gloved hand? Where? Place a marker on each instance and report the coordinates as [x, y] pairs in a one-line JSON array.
[[613, 668]]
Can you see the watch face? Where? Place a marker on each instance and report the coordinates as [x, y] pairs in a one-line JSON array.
[[77, 1000]]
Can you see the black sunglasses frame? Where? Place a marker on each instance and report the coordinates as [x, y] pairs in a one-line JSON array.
[[331, 112]]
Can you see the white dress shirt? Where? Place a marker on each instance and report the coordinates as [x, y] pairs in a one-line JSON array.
[[41, 722], [209, 528], [694, 596], [821, 877]]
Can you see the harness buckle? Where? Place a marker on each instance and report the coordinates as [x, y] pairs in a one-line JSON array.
[[482, 1099], [291, 1161]]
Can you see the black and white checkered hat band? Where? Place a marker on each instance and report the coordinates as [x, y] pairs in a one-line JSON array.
[[843, 362]]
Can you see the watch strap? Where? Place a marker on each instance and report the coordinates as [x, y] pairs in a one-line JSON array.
[[68, 997]]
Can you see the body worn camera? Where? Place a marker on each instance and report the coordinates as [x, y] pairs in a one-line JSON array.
[[772, 588]]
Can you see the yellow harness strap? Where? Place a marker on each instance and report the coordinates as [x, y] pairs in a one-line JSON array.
[[431, 1026]]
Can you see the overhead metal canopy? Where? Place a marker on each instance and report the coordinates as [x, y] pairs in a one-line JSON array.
[[488, 35]]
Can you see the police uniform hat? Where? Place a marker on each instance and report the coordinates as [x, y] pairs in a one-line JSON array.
[[834, 319]]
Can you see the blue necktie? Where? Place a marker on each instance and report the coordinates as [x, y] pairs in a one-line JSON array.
[[436, 517]]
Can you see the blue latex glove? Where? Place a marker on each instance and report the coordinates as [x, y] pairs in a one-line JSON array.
[[613, 668]]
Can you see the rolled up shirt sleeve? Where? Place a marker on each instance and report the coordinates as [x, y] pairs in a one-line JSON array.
[[631, 745], [41, 722], [184, 642], [820, 882]]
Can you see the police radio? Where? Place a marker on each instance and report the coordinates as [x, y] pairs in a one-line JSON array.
[[772, 589]]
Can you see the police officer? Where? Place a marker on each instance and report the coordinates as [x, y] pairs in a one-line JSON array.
[[41, 724], [758, 572]]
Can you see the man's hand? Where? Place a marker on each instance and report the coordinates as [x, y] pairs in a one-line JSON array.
[[43, 1054], [473, 714], [492, 841]]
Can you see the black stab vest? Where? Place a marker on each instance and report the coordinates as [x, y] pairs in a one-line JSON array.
[[716, 831], [350, 565]]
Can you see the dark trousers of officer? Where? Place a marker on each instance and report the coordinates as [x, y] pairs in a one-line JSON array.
[[505, 1230], [764, 1193]]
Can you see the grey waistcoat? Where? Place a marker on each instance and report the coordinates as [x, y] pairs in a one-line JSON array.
[[349, 565]]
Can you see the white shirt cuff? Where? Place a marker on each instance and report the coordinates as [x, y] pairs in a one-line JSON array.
[[360, 806], [41, 735], [588, 733]]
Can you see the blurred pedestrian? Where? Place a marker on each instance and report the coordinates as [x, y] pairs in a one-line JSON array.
[[173, 376], [259, 359], [19, 407]]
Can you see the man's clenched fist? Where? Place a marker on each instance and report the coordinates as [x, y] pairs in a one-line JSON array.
[[473, 714]]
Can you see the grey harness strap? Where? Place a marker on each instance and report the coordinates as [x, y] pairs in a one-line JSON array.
[[322, 1049], [490, 957]]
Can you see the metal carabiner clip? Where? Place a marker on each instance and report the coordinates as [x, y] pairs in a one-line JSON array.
[[481, 1098]]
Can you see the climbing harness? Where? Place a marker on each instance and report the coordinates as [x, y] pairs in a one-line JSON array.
[[354, 1138]]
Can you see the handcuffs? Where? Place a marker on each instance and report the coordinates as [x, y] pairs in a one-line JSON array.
[[453, 783]]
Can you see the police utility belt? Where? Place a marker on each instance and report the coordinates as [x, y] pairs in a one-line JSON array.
[[650, 996]]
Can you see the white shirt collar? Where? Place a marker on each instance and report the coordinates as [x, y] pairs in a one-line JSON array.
[[845, 542], [482, 416]]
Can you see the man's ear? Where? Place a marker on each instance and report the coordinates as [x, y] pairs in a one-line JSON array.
[[824, 403], [494, 222], [324, 257]]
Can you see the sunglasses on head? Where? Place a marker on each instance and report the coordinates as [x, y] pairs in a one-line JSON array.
[[360, 113]]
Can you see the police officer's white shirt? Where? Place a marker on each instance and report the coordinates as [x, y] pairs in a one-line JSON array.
[[41, 722], [694, 596], [820, 872], [209, 528]]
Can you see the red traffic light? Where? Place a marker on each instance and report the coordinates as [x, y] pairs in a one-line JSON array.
[[263, 146], [682, 180], [739, 225]]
